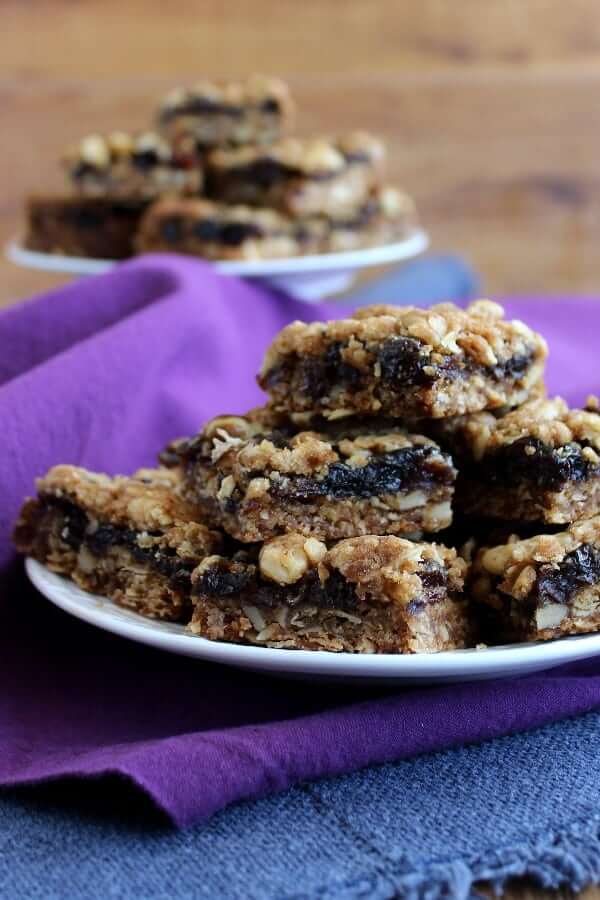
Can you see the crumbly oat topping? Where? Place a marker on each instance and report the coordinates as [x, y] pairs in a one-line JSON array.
[[391, 567], [310, 156], [548, 420], [516, 562], [102, 151], [304, 453], [145, 502], [479, 333]]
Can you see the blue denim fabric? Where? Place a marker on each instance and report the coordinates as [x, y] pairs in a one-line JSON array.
[[428, 827]]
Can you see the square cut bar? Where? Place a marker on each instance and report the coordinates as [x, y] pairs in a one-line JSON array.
[[540, 588], [299, 177], [94, 227], [131, 167], [404, 362], [256, 111], [131, 539], [217, 231], [257, 479], [364, 595], [538, 463]]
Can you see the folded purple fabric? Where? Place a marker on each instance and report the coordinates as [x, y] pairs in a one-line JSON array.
[[102, 373]]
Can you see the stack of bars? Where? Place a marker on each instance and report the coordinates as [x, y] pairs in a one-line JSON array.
[[324, 519], [218, 178]]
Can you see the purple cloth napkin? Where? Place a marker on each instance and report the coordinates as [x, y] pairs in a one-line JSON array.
[[103, 373]]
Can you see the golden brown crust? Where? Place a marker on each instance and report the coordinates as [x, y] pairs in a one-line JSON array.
[[548, 420], [309, 156], [131, 539], [405, 361], [128, 166], [510, 559], [145, 502], [391, 568], [242, 95], [479, 333]]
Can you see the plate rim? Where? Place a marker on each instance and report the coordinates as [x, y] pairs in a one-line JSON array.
[[416, 242], [470, 662]]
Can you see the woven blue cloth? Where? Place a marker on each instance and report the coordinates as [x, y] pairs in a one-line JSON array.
[[424, 828]]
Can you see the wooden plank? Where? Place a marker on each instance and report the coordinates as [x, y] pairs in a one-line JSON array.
[[503, 163], [231, 36]]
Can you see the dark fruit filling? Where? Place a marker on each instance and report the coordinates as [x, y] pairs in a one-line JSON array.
[[529, 459], [402, 470], [403, 362], [270, 106], [232, 234], [84, 170], [144, 160], [97, 214], [242, 583], [357, 156], [235, 233], [200, 106], [74, 532], [315, 374], [172, 230], [362, 218], [266, 172], [230, 579], [557, 583]]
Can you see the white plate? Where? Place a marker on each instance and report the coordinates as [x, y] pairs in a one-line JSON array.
[[456, 665], [307, 278]]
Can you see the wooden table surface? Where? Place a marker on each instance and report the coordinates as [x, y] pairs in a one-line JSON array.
[[491, 110]]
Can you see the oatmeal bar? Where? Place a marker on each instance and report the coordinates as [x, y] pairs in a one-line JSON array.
[[364, 595], [139, 167], [540, 462], [540, 588], [216, 231], [298, 177], [404, 362], [257, 481], [95, 227], [131, 539], [256, 111]]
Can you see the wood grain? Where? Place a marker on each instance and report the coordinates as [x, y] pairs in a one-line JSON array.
[[502, 161], [108, 38]]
